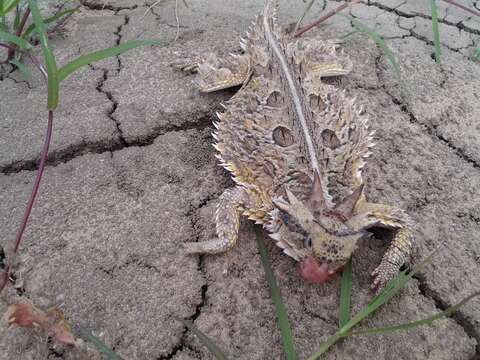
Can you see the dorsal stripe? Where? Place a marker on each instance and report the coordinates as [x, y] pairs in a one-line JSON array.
[[291, 85]]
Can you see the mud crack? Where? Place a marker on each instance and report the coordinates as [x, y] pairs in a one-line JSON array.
[[403, 14], [99, 6], [434, 133], [73, 151], [430, 130], [182, 344], [460, 318]]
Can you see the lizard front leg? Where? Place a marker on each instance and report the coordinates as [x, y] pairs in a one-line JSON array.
[[216, 73], [227, 224], [368, 215], [397, 254]]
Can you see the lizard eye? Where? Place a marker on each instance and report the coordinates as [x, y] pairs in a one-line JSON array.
[[307, 242]]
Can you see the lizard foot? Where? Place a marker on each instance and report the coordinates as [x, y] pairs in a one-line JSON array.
[[215, 246], [385, 272], [190, 67]]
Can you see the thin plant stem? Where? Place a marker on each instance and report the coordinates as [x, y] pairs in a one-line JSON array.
[[36, 184], [31, 200], [307, 9], [150, 8], [463, 7], [26, 14], [328, 15], [177, 21], [62, 22], [39, 66], [436, 33], [7, 46]]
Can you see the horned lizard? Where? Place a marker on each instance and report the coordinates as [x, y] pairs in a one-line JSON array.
[[295, 147]]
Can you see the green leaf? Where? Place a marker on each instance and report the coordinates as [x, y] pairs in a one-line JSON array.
[[107, 353], [345, 294], [84, 60], [409, 325], [27, 74], [32, 29], [7, 5], [382, 45], [436, 34], [285, 330], [18, 41], [51, 66], [205, 340]]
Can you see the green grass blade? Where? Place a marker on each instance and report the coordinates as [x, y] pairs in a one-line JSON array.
[[27, 74], [84, 60], [32, 29], [18, 41], [350, 33], [345, 294], [51, 65], [392, 288], [107, 353], [475, 54], [7, 5], [16, 20], [285, 330], [205, 340], [436, 34], [409, 325], [372, 34]]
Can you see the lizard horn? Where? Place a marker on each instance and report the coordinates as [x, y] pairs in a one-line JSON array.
[[347, 205], [316, 200]]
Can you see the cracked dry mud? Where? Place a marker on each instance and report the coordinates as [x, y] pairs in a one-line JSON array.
[[132, 175]]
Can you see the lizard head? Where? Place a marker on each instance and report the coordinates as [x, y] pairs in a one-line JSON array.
[[328, 242]]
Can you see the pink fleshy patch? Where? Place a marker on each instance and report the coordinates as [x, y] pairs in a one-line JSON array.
[[312, 271]]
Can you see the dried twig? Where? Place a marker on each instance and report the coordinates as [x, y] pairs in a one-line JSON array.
[[297, 25], [463, 7], [150, 8], [303, 30], [178, 21]]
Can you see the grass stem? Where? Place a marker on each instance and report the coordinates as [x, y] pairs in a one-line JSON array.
[[436, 34]]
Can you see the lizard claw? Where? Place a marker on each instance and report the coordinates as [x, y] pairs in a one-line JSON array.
[[385, 272], [185, 66]]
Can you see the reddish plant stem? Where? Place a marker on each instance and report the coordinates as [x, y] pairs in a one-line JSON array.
[[31, 200], [26, 14], [61, 23], [463, 7], [328, 15], [8, 46]]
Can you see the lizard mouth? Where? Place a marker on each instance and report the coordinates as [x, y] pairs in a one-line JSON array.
[[314, 272]]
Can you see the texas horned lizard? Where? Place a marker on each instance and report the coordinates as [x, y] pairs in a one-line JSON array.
[[296, 147]]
